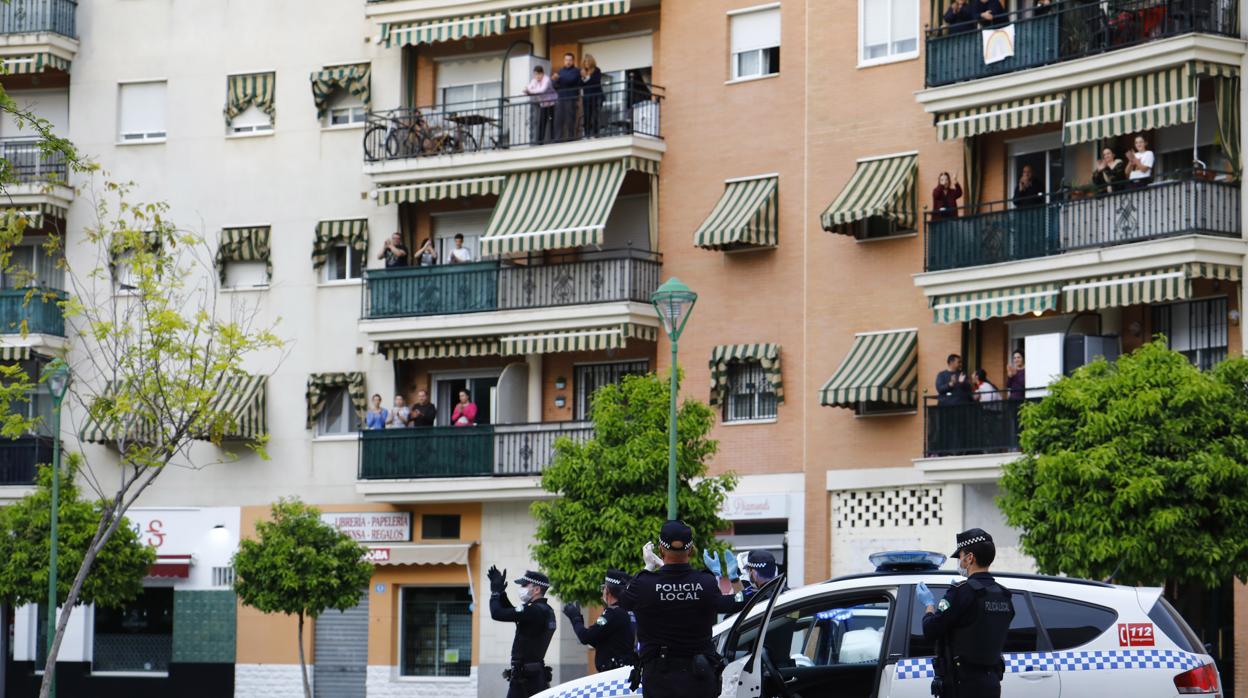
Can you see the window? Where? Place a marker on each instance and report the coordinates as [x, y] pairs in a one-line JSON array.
[[345, 109], [755, 43], [338, 417], [434, 526], [1071, 623], [591, 377], [30, 265], [1196, 329], [828, 632], [1021, 637], [141, 111], [124, 276], [138, 637], [750, 394], [253, 120], [343, 262], [464, 81], [246, 274], [470, 224], [888, 30], [436, 632]]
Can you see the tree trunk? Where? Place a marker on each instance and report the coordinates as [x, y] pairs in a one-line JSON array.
[[303, 663]]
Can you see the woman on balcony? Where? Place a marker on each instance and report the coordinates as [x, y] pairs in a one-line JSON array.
[[1109, 170], [398, 415], [1140, 163], [1016, 376], [945, 197], [591, 95], [465, 413], [376, 416]]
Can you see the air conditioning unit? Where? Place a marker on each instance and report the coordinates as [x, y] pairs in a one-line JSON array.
[[1083, 349]]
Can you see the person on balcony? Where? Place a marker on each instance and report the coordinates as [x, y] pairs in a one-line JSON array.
[[1016, 376], [1028, 193], [423, 413], [460, 254], [1109, 170], [465, 412], [952, 387], [1039, 8], [985, 391], [591, 95], [1140, 163], [568, 84], [960, 17], [376, 416], [991, 13], [394, 253], [426, 256], [643, 115], [398, 415], [945, 197], [542, 113]]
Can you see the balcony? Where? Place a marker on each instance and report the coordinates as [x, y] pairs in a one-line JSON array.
[[29, 165], [979, 428], [39, 16], [1004, 233], [38, 314], [1071, 31], [18, 458], [456, 452]]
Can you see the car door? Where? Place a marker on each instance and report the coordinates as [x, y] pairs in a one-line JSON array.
[[742, 678]]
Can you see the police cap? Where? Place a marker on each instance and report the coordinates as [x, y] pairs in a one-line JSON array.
[[616, 578], [762, 561], [534, 578], [969, 537], [675, 535]]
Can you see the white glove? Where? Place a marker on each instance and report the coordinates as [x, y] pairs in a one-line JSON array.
[[741, 560], [651, 561]]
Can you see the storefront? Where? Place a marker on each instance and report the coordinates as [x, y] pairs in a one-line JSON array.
[[766, 513]]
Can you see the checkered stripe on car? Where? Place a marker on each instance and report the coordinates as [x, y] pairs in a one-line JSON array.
[[1091, 660], [607, 689]]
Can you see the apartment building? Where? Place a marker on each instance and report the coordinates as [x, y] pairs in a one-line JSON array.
[[775, 157]]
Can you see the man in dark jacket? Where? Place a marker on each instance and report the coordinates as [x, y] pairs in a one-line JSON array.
[[960, 17], [535, 625], [952, 386], [613, 636], [568, 84], [991, 13]]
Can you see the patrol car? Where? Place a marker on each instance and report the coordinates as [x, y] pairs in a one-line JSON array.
[[861, 636]]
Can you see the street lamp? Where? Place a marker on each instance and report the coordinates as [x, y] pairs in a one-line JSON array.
[[674, 303], [56, 375]]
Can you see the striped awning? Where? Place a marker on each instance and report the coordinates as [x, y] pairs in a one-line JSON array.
[[353, 233], [35, 213], [440, 189], [446, 29], [766, 355], [1000, 302], [591, 339], [33, 63], [11, 353], [552, 209], [881, 187], [1140, 103], [240, 396], [880, 367], [747, 215], [244, 245], [253, 89], [441, 348], [321, 384], [1018, 113], [1136, 288], [566, 12], [355, 80]]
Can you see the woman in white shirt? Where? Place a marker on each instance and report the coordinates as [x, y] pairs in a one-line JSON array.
[[985, 391], [1140, 163]]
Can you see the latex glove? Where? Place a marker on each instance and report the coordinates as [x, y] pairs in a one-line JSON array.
[[498, 580], [572, 611], [924, 595], [712, 564], [651, 561], [731, 568]]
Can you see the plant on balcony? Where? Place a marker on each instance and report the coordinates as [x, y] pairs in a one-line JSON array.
[[300, 566], [613, 488], [1136, 471]]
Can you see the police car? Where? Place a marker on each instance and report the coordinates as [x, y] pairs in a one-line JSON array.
[[861, 636]]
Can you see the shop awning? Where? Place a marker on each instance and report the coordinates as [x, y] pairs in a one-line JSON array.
[[747, 215], [881, 187], [440, 189], [1018, 113], [417, 554], [1000, 302], [34, 63], [590, 339], [14, 353], [440, 349], [766, 355], [1139, 103], [566, 12], [1152, 286], [553, 209], [880, 367], [448, 29], [170, 567]]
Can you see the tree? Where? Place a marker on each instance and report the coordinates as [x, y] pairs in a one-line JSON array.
[[612, 489], [1136, 470], [24, 545], [301, 566]]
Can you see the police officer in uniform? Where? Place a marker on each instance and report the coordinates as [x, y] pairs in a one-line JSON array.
[[969, 624], [613, 635], [535, 625], [675, 609], [760, 567]]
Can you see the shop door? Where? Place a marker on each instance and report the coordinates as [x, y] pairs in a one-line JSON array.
[[341, 652]]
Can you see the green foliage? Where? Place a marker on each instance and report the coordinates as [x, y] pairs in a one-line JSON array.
[[1136, 469], [299, 565], [613, 488], [117, 576]]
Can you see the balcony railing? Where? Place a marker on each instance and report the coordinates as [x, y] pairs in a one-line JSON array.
[[595, 277], [1075, 220], [511, 122], [32, 16], [40, 314], [972, 429], [1070, 30], [28, 164], [480, 451], [18, 458]]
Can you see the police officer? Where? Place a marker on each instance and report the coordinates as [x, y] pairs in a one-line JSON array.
[[675, 609], [969, 624], [535, 625], [612, 635], [760, 567]]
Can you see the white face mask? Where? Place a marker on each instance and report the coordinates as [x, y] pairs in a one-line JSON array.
[[964, 570], [525, 595]]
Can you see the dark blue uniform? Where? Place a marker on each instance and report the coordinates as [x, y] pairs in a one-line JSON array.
[[970, 625], [612, 636], [675, 609], [535, 625]]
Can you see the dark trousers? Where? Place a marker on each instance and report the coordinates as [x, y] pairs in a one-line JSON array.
[[565, 118], [658, 681], [533, 682], [591, 107], [979, 684], [543, 123]]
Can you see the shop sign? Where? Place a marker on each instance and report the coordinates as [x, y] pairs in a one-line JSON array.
[[756, 506], [372, 526]]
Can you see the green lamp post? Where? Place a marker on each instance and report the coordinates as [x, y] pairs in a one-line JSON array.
[[674, 303], [56, 375]]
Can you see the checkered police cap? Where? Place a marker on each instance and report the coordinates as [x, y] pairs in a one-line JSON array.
[[534, 578]]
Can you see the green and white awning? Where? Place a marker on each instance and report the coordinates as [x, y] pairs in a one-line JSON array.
[[880, 367], [440, 189], [321, 384], [29, 64], [11, 353], [552, 209], [746, 215], [356, 80], [242, 397], [35, 213], [566, 12], [446, 29], [590, 339], [353, 233], [766, 355], [1139, 103], [1137, 288], [441, 348], [1005, 116], [244, 245], [253, 89], [1001, 302], [881, 187]]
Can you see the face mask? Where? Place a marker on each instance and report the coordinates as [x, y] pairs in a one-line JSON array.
[[525, 596], [964, 571]]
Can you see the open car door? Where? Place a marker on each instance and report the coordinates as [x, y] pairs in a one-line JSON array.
[[745, 675]]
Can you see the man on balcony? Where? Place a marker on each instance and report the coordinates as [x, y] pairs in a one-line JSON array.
[[423, 413], [568, 84], [952, 386]]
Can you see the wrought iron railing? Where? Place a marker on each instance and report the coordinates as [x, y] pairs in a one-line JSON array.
[[30, 16], [27, 163], [39, 314], [19, 458], [572, 279], [1067, 30], [989, 425], [480, 451], [1002, 232], [511, 122]]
